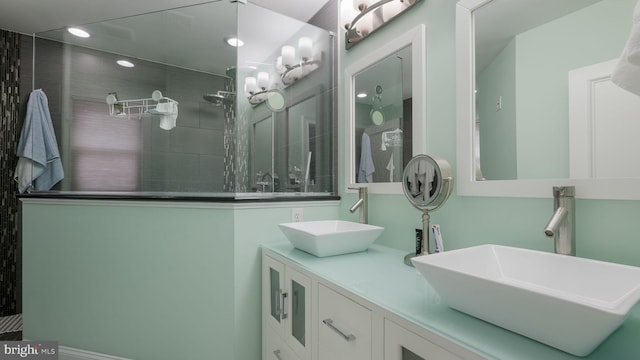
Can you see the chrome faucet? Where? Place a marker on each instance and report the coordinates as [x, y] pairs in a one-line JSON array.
[[561, 226], [361, 204]]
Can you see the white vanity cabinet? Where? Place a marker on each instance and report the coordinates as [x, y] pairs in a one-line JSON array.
[[286, 299], [307, 317], [344, 327], [403, 344]]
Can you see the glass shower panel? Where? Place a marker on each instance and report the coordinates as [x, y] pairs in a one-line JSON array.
[[178, 120], [157, 126]]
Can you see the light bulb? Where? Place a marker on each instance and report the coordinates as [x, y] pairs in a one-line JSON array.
[[391, 9], [347, 13], [360, 5], [78, 32], [305, 48], [250, 85], [364, 26], [263, 80], [288, 55]]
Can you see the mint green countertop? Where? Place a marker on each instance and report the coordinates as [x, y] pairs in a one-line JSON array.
[[380, 276]]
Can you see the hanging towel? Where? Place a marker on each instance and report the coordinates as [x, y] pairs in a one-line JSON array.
[[167, 113], [39, 166], [391, 168], [365, 173], [627, 72], [168, 121]]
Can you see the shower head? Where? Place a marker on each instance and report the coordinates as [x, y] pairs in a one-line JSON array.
[[215, 99], [219, 98]]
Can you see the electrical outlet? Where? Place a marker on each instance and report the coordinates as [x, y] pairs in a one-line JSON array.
[[499, 103], [296, 214]]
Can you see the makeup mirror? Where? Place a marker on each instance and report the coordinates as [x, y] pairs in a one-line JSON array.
[[385, 126], [427, 183], [276, 101]]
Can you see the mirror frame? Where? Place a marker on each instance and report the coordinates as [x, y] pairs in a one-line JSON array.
[[613, 189], [416, 38]]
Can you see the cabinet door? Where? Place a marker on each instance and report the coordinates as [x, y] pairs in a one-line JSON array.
[[273, 289], [402, 344], [298, 315], [344, 327]]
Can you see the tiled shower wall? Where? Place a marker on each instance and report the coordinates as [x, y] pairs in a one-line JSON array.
[[130, 154], [9, 134]]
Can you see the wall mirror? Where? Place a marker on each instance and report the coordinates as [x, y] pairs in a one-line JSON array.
[[386, 113], [288, 148], [519, 138]]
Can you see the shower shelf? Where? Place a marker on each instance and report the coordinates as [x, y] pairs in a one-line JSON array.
[[138, 107]]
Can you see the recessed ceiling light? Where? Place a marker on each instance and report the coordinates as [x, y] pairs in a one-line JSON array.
[[234, 41], [361, 95], [125, 63], [78, 32]]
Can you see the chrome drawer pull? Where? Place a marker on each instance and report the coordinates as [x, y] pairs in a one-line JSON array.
[[281, 298], [329, 323]]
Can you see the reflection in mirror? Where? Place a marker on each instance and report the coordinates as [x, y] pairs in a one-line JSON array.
[[386, 127], [301, 157], [383, 119], [540, 131], [427, 182], [276, 101], [525, 53], [262, 154]]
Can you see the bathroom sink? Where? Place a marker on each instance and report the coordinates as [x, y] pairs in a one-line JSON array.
[[569, 303], [330, 237]]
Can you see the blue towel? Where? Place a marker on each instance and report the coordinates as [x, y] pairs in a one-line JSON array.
[[365, 174], [39, 166]]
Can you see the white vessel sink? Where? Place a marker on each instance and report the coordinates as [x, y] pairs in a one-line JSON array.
[[330, 237], [569, 303]]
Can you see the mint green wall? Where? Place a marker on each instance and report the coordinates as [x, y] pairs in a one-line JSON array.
[[141, 282], [498, 128], [545, 55], [254, 226], [150, 280], [606, 230], [136, 280]]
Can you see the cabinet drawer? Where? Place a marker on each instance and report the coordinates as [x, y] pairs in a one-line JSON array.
[[275, 349], [402, 344], [344, 327]]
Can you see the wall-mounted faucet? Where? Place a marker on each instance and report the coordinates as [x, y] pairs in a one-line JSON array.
[[361, 204], [561, 226]]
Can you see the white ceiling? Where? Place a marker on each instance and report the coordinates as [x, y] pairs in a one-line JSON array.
[[190, 36], [31, 16]]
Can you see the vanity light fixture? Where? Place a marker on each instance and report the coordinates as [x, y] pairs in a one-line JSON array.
[[361, 95], [292, 65], [234, 41], [125, 63], [362, 17], [78, 32]]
